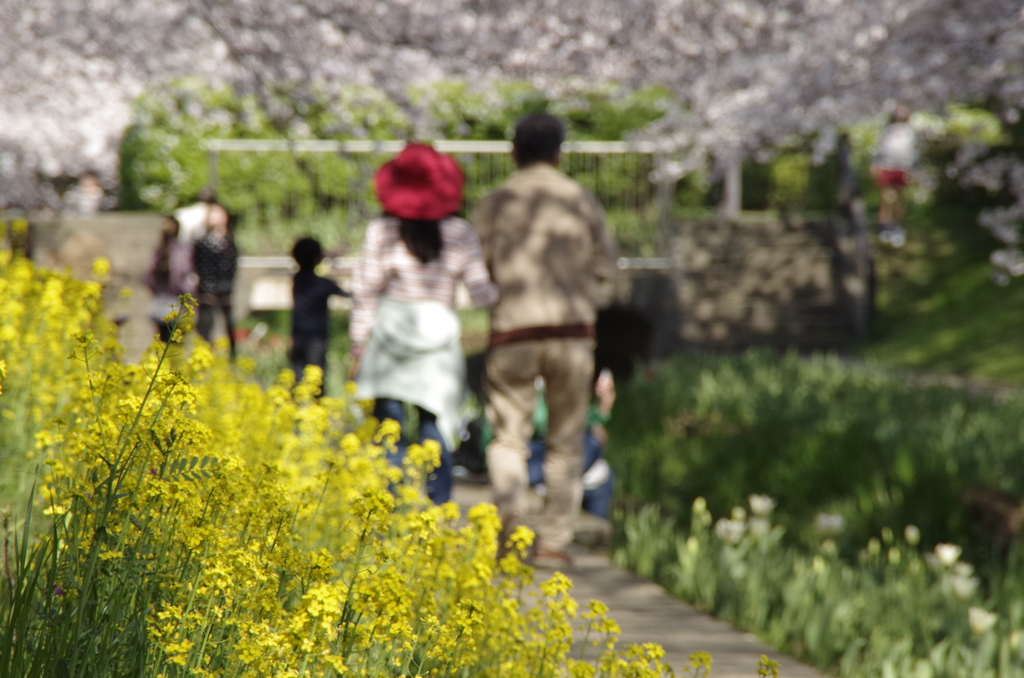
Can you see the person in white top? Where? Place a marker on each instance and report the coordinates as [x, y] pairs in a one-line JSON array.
[[404, 329], [895, 155], [192, 219]]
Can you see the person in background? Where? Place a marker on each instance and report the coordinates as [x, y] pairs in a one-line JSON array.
[[192, 219], [547, 247], [310, 293], [215, 259], [598, 478], [169, 276], [87, 197], [404, 329], [894, 156]]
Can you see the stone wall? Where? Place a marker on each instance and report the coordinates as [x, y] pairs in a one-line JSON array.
[[735, 284], [127, 240]]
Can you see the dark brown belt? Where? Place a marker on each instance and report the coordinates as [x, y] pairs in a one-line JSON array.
[[580, 331]]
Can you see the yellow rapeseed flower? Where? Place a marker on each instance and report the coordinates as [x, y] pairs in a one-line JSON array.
[[101, 268], [264, 527]]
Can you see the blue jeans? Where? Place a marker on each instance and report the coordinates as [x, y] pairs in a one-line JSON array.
[[439, 482], [597, 501]]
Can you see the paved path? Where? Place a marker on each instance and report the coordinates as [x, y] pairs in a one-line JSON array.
[[646, 613]]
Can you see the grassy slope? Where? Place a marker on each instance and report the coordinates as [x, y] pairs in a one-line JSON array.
[[937, 308]]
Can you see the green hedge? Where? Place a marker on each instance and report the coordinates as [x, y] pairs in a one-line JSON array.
[[280, 195]]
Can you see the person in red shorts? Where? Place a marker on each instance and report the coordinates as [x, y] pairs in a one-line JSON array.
[[894, 157]]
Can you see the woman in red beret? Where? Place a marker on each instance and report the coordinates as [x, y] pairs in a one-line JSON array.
[[404, 329]]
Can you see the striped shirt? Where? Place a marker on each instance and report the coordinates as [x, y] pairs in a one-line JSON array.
[[385, 267]]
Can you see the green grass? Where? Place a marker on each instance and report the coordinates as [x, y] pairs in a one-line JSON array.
[[938, 311]]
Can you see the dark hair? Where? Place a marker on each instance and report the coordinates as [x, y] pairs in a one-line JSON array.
[[307, 253], [538, 138], [208, 195], [422, 238]]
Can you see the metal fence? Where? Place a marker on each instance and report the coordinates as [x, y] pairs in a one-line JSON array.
[[281, 189]]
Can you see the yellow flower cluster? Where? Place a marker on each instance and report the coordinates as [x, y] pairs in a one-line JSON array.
[[205, 526], [41, 314]]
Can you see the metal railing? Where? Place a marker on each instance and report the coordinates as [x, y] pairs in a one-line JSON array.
[[346, 264], [266, 282], [326, 184]]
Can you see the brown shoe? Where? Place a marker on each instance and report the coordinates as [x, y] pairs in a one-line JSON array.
[[550, 560]]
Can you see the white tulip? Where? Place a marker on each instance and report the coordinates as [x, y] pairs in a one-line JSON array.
[[761, 504], [948, 553], [963, 569], [981, 620], [730, 531], [964, 587], [912, 535]]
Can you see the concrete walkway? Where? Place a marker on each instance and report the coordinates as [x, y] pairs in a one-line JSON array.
[[646, 613]]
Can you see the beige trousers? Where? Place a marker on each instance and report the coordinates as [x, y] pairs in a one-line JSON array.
[[567, 366]]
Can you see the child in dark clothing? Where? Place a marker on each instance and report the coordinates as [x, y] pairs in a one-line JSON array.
[[309, 310]]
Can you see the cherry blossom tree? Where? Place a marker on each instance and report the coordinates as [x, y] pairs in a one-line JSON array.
[[745, 72]]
